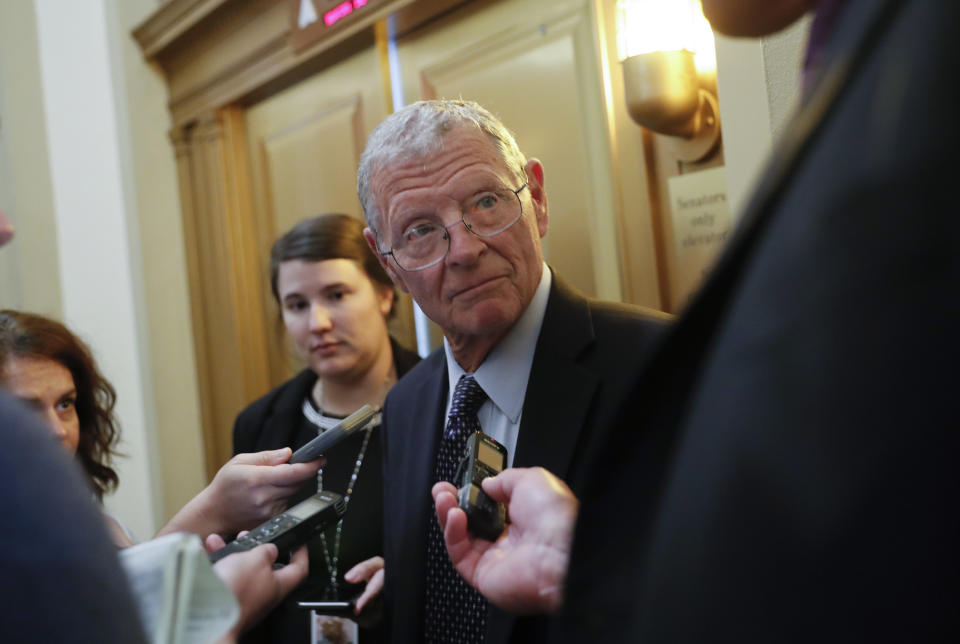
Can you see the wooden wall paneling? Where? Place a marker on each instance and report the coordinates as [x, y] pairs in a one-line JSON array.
[[246, 269], [220, 52], [225, 281], [658, 214], [187, 170]]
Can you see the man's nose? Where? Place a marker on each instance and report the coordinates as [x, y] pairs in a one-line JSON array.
[[465, 247]]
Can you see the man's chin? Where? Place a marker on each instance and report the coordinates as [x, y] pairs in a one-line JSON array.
[[491, 316]]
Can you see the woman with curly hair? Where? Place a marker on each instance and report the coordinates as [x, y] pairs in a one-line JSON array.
[[50, 369], [47, 367]]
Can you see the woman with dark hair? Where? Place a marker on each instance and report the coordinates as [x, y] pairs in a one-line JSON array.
[[50, 369], [334, 300]]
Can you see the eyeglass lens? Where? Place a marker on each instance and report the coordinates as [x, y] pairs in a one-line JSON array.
[[486, 214]]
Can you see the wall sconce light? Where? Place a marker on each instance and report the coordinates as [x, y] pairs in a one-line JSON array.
[[669, 72]]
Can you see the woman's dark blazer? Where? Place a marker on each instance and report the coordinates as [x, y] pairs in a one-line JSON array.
[[274, 420]]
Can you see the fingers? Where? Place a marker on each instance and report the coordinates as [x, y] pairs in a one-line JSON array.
[[443, 486], [453, 520], [364, 570], [455, 532], [277, 471], [213, 542], [502, 486], [293, 475], [370, 571], [290, 576], [373, 588], [445, 498], [268, 457]]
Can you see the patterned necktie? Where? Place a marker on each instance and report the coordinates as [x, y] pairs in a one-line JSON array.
[[455, 612]]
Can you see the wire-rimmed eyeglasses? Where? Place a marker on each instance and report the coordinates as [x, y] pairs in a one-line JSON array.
[[425, 241]]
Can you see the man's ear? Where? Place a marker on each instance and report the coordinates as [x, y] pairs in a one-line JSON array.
[[538, 195], [388, 266]]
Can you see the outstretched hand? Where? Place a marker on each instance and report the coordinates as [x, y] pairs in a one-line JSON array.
[[524, 570], [248, 490]]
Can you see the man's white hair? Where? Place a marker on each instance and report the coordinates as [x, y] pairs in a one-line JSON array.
[[417, 131]]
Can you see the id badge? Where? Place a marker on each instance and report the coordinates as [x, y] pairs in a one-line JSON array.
[[331, 629]]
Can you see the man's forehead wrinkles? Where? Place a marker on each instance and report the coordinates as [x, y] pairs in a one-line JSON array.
[[468, 175]]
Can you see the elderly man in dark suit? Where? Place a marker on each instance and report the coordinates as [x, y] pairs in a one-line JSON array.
[[456, 214], [797, 479]]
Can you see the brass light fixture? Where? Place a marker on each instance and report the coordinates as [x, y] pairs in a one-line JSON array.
[[669, 72]]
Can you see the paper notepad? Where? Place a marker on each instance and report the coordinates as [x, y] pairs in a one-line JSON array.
[[180, 598]]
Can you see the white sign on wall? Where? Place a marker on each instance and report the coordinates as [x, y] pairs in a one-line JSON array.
[[700, 220]]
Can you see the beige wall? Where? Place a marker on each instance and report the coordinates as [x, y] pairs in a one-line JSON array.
[[29, 266], [163, 300], [758, 84], [152, 364]]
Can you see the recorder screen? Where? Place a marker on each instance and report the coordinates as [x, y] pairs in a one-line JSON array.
[[489, 456]]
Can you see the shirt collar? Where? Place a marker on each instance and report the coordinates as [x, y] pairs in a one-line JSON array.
[[503, 374]]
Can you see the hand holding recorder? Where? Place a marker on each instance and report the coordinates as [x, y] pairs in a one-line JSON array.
[[524, 570]]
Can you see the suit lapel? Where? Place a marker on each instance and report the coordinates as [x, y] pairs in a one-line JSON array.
[[413, 439], [558, 397], [559, 390]]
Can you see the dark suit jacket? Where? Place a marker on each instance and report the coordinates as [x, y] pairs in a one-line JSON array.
[[274, 420], [585, 353], [797, 479]]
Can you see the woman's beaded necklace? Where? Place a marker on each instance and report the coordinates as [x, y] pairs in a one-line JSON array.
[[317, 418]]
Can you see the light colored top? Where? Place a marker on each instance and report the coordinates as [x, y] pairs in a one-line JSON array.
[[119, 533], [505, 371]]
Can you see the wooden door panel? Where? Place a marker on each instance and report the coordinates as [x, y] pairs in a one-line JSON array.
[[303, 151]]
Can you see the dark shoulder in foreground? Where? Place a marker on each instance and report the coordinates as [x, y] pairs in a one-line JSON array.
[[57, 549]]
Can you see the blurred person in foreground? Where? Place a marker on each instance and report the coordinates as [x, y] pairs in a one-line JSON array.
[[797, 481]]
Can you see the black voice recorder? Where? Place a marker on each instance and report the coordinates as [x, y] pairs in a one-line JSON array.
[[482, 457], [291, 529], [346, 427]]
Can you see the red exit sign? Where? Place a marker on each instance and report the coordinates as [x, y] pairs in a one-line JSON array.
[[341, 11], [313, 21]]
